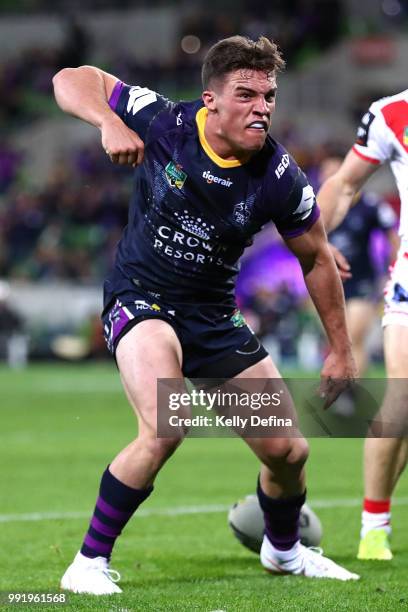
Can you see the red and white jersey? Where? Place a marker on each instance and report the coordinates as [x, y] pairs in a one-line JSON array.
[[383, 136]]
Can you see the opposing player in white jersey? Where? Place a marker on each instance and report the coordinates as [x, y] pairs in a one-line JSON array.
[[382, 137]]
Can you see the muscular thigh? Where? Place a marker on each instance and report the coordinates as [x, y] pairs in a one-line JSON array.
[[149, 351], [263, 369]]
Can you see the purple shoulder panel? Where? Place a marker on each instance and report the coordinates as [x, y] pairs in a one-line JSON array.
[[114, 98]]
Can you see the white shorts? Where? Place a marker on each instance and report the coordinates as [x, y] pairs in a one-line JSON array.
[[396, 292]]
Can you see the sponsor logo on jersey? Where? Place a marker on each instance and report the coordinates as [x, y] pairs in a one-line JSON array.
[[210, 178], [192, 244], [194, 225], [175, 175], [153, 294], [284, 163], [405, 137], [143, 305]]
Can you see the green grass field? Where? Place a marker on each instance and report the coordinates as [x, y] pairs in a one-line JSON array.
[[60, 426]]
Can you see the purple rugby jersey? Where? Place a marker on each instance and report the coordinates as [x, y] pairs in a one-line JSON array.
[[193, 213]]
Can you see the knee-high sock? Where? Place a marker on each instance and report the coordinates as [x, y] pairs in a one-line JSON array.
[[281, 518], [114, 507]]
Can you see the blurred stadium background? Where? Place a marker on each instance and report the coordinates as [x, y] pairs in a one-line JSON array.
[[63, 205]]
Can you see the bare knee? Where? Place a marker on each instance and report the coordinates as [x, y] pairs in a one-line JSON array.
[[299, 452], [289, 451]]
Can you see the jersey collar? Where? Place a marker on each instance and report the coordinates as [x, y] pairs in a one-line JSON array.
[[201, 118]]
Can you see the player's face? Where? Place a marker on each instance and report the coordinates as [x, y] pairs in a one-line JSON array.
[[240, 110]]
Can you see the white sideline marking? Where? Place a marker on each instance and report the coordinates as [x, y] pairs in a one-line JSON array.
[[179, 510], [182, 510], [81, 386]]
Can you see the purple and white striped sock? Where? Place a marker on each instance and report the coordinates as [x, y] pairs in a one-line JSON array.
[[281, 518], [114, 507]]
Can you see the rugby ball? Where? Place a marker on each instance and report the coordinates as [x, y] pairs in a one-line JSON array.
[[246, 521]]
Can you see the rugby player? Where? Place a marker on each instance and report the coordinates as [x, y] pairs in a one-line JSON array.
[[382, 137], [207, 177]]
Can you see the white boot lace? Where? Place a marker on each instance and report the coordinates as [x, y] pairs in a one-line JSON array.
[[316, 549], [112, 574]]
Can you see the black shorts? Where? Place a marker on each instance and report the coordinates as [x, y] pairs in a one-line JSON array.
[[215, 339], [360, 288]]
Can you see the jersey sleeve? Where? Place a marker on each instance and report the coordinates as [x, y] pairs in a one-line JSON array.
[[297, 208], [138, 107], [373, 143]]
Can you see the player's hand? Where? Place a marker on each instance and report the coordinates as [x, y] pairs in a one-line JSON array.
[[338, 373], [342, 264], [122, 144]]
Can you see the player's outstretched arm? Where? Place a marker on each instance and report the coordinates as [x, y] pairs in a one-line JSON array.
[[337, 194], [325, 288], [84, 92]]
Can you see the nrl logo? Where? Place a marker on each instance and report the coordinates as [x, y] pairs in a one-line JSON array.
[[175, 175]]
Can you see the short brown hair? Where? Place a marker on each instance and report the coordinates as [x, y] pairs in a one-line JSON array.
[[238, 52]]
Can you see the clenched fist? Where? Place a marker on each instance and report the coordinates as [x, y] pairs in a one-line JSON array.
[[122, 144]]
